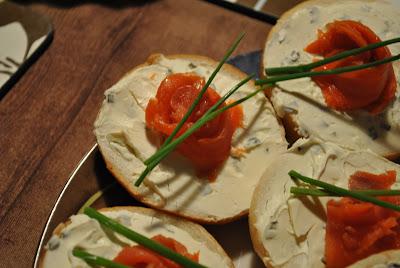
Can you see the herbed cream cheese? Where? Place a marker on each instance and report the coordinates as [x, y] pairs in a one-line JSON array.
[[90, 236], [125, 143], [302, 98], [292, 229]]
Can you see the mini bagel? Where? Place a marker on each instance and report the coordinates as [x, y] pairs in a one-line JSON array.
[[173, 186], [88, 234]]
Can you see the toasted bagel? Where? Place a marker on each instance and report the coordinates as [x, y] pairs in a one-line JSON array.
[[173, 186], [88, 234], [300, 102], [288, 231]]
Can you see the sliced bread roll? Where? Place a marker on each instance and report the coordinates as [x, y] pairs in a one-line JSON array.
[[87, 234], [290, 232], [300, 102], [173, 186]]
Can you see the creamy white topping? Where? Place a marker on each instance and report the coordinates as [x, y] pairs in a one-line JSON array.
[[292, 229], [302, 98], [173, 185], [87, 234]]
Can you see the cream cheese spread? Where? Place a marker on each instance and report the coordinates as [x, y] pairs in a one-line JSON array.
[[88, 235], [125, 143], [302, 98], [292, 229]]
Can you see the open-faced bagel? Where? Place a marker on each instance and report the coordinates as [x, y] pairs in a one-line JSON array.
[[173, 186], [87, 234], [300, 102], [288, 231]]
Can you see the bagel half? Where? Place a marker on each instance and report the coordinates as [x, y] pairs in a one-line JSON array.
[[300, 102], [88, 234], [287, 231], [125, 143]]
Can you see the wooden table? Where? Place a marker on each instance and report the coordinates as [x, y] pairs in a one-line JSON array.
[[46, 119]]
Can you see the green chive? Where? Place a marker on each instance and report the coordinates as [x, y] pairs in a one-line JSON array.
[[96, 260], [345, 54], [323, 192], [346, 69], [141, 240], [198, 98], [343, 192], [163, 152]]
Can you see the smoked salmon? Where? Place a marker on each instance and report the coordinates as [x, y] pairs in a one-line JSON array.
[[141, 257], [175, 95], [371, 89], [358, 229]]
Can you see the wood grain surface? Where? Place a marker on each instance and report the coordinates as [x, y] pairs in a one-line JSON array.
[[46, 119]]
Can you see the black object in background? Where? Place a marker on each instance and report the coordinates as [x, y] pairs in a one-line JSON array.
[[24, 35]]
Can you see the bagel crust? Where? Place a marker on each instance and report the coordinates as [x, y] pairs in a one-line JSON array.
[[125, 143], [290, 232], [81, 231], [300, 102]]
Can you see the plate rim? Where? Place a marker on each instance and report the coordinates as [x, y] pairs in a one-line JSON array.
[[81, 162]]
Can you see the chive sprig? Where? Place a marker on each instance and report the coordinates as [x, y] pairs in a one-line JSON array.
[[208, 116], [308, 67], [338, 191], [199, 96], [323, 192], [163, 152], [340, 70]]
